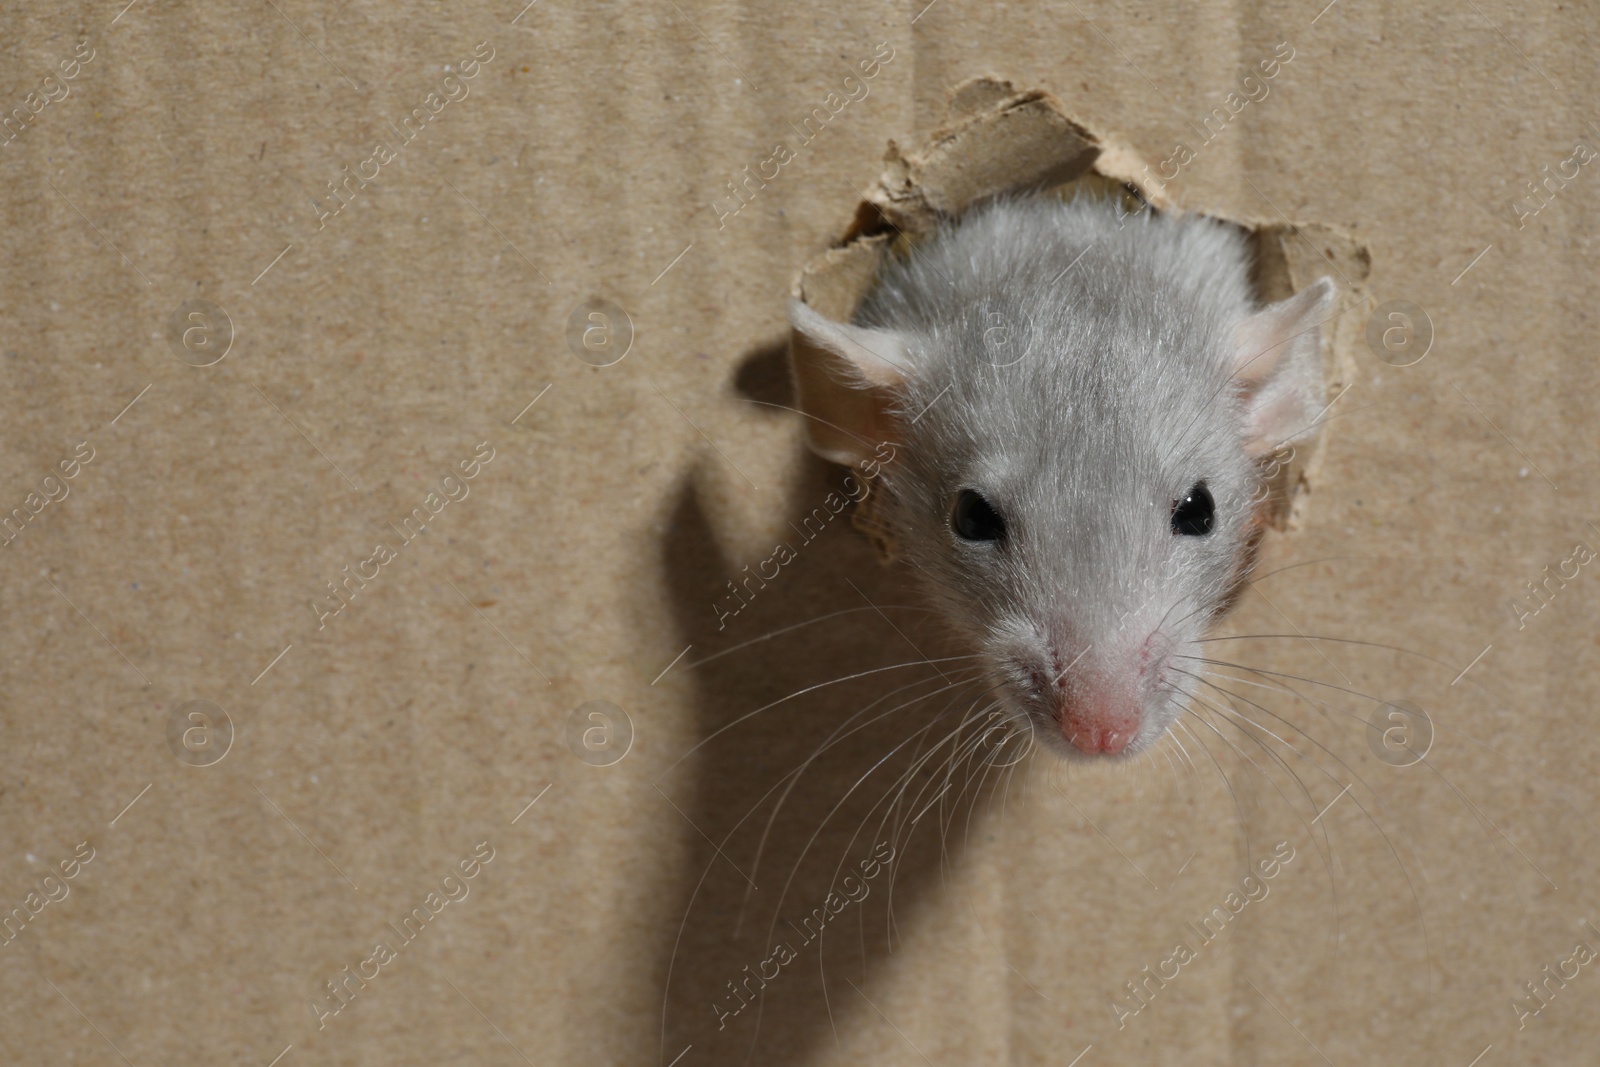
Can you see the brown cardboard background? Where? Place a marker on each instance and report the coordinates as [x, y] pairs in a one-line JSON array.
[[410, 729]]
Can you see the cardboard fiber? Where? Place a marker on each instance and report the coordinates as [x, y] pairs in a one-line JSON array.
[[409, 553]]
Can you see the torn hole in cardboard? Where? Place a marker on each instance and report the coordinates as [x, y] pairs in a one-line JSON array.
[[998, 140]]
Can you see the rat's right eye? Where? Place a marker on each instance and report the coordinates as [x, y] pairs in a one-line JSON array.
[[1192, 516], [974, 519]]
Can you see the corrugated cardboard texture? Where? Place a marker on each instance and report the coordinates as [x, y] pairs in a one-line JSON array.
[[417, 233]]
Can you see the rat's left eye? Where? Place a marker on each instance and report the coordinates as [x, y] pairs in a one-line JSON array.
[[1193, 512], [974, 519]]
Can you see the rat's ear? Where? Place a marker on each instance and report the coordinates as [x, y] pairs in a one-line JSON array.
[[844, 379], [1278, 367]]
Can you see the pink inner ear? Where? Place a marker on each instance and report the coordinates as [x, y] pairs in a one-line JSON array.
[[1278, 367], [1259, 347], [1274, 423], [1263, 341], [844, 379]]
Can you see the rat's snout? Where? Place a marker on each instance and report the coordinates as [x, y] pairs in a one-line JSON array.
[[1098, 699]]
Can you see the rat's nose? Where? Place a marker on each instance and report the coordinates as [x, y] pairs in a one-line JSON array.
[[1095, 696], [1099, 724], [1098, 740]]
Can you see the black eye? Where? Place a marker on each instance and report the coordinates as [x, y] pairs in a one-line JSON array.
[[975, 519], [1192, 514]]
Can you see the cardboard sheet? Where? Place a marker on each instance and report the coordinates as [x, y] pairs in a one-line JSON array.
[[428, 639]]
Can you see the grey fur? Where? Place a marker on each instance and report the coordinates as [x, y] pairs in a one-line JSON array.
[[1076, 365]]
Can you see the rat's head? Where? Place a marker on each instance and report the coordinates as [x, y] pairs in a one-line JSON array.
[[1076, 471]]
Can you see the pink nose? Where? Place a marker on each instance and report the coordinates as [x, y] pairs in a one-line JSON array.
[[1098, 727], [1095, 740]]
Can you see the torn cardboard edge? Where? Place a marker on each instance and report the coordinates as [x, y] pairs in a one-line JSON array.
[[998, 140]]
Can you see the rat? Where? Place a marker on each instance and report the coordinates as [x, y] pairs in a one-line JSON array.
[[1081, 402]]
